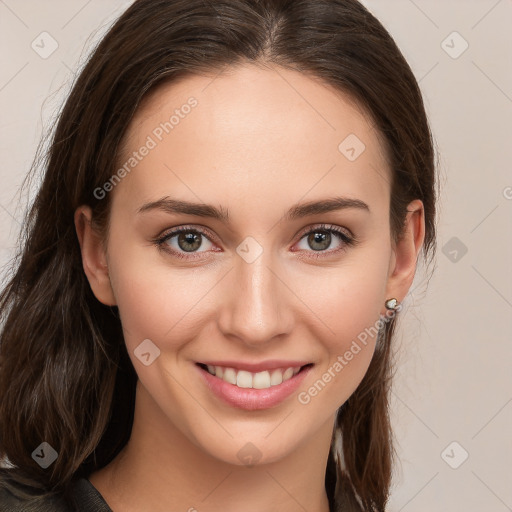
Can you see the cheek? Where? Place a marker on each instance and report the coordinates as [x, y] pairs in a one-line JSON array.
[[347, 300], [349, 303], [350, 307], [156, 300]]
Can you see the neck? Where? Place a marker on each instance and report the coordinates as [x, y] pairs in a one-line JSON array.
[[160, 468]]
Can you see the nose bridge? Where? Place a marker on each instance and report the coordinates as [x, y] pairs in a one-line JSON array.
[[257, 309]]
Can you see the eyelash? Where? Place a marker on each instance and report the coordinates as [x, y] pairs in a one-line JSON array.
[[347, 240]]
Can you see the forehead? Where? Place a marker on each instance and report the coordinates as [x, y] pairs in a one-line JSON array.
[[251, 129]]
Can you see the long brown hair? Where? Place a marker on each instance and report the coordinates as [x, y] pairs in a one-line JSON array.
[[65, 375]]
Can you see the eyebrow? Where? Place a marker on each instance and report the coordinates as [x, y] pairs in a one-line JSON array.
[[297, 211]]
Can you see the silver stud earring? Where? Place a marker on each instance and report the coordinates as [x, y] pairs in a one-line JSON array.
[[391, 304]]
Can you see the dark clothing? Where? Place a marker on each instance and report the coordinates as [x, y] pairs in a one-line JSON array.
[[85, 498]]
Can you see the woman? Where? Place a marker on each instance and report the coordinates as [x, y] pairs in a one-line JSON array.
[[231, 215]]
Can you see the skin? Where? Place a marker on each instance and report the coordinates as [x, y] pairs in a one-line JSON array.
[[260, 141]]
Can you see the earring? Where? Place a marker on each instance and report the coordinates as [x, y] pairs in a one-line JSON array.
[[391, 304]]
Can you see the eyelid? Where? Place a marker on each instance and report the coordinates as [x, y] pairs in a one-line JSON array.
[[188, 227], [326, 227]]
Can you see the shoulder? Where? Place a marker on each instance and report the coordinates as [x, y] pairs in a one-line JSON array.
[[19, 497], [15, 497]]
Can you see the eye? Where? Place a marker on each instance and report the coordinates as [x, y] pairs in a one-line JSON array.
[[183, 242], [320, 238]]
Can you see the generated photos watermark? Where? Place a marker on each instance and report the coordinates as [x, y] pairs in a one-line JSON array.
[[304, 397], [152, 141]]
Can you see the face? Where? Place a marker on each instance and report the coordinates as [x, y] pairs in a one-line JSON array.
[[285, 262]]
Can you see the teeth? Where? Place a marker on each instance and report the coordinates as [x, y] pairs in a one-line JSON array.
[[276, 378], [260, 380], [229, 375], [244, 379], [288, 374]]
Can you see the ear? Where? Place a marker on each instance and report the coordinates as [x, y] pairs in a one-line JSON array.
[[94, 258], [405, 252]]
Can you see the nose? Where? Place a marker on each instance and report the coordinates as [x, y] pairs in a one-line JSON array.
[[257, 303]]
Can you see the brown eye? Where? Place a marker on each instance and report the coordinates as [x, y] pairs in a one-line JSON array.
[[320, 239], [190, 241], [183, 240]]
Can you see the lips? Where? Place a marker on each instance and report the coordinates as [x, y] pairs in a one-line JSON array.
[[253, 390]]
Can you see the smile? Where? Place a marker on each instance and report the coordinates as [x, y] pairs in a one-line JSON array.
[[264, 387], [245, 379]]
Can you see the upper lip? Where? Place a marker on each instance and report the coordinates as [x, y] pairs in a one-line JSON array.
[[258, 367]]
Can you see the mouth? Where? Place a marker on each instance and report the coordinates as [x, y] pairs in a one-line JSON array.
[[267, 386], [245, 379]]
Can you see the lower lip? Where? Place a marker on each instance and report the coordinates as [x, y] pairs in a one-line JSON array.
[[252, 399]]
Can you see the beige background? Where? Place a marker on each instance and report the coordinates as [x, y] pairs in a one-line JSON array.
[[454, 380]]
